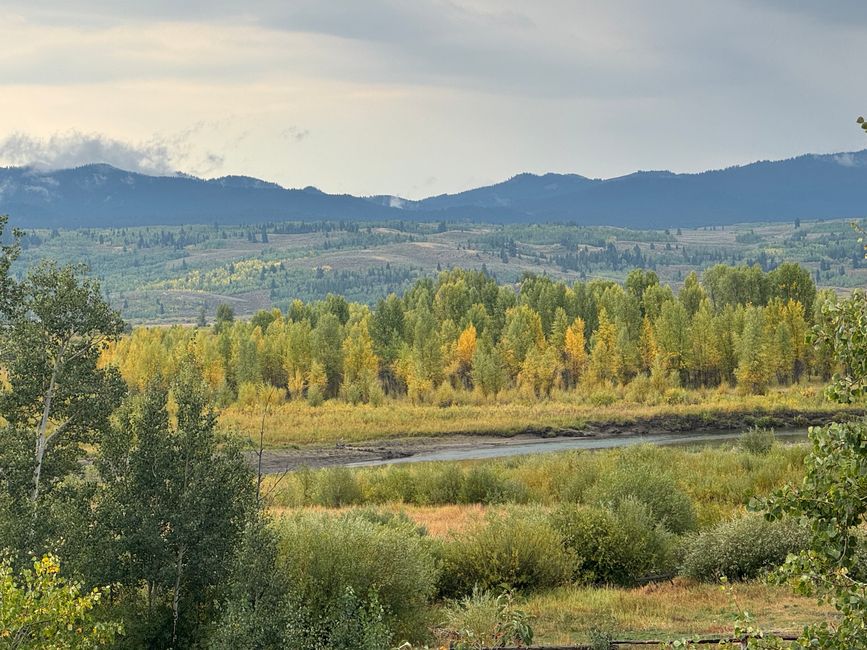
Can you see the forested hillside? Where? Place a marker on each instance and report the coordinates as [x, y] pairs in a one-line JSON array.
[[170, 274]]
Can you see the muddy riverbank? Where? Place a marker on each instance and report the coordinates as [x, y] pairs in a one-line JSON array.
[[687, 429]]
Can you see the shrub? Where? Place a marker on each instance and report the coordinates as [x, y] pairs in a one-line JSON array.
[[604, 396], [393, 483], [757, 440], [741, 548], [483, 620], [323, 556], [483, 485], [315, 396], [350, 623], [440, 484], [641, 391], [614, 547], [336, 487], [649, 485], [516, 550]]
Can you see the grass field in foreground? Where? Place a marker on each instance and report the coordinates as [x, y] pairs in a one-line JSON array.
[[298, 423], [666, 611]]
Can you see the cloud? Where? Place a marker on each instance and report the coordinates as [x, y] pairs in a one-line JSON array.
[[73, 148], [159, 156], [295, 133]]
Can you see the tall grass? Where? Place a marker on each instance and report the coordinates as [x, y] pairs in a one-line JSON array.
[[297, 422]]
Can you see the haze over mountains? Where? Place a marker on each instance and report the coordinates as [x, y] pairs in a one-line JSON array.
[[98, 195]]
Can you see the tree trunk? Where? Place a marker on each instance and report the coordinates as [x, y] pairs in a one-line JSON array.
[[41, 439], [176, 596]]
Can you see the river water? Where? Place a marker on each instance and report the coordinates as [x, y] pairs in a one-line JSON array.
[[541, 446]]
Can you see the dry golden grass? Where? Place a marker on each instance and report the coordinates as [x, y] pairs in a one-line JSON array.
[[439, 521], [336, 421], [667, 611]]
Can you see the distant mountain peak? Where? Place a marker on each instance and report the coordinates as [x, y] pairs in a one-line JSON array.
[[830, 185]]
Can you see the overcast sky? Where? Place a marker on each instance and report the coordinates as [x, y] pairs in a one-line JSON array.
[[419, 97]]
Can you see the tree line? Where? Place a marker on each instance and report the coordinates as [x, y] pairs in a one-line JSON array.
[[465, 332]]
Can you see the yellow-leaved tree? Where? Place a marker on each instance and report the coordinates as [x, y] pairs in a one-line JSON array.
[[604, 359], [575, 351], [360, 364], [464, 352]]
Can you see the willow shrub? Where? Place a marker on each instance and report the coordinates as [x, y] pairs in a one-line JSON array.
[[615, 547], [384, 562], [518, 549], [648, 484], [741, 549]]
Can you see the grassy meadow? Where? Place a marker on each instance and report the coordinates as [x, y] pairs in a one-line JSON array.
[[508, 520], [298, 423]]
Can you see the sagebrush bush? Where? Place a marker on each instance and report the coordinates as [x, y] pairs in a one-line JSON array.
[[741, 548], [757, 440], [614, 547], [648, 484], [515, 550], [323, 555]]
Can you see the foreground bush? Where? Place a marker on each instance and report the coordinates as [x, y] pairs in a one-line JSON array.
[[757, 440], [483, 620], [647, 484], [40, 609], [741, 549], [616, 547], [387, 565], [517, 550]]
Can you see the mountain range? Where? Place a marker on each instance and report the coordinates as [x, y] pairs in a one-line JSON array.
[[99, 195]]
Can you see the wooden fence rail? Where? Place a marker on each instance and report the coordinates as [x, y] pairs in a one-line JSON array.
[[659, 643]]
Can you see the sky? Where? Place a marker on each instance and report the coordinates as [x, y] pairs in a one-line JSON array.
[[422, 97]]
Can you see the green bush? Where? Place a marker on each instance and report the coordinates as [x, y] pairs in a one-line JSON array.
[[614, 547], [603, 396], [646, 483], [757, 440], [336, 487], [393, 483], [482, 484], [323, 555], [483, 620], [741, 548], [439, 484], [515, 550]]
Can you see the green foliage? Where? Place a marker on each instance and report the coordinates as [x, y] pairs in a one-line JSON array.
[[337, 487], [169, 513], [741, 549], [832, 500], [651, 486], [516, 550], [484, 620], [844, 332], [323, 556], [616, 547], [42, 610], [757, 440]]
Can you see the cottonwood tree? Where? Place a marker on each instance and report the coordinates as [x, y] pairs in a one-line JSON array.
[[57, 396], [171, 510]]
